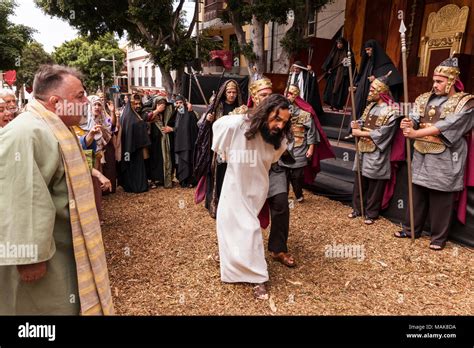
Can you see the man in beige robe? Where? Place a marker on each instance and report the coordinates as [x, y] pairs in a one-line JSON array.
[[49, 228]]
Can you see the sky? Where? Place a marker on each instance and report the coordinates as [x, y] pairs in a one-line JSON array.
[[51, 31]]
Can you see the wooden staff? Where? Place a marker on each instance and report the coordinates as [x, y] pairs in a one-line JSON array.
[[354, 118], [402, 31]]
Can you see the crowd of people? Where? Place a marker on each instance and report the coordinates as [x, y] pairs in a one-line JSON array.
[[241, 158]]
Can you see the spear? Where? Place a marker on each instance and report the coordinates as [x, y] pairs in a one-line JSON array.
[[348, 63], [402, 31]]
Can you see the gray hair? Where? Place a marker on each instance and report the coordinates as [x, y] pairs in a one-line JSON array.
[[49, 78], [5, 92]]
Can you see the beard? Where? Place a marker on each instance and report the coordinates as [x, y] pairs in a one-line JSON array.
[[268, 137]]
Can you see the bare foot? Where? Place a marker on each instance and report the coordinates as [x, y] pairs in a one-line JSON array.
[[260, 292]]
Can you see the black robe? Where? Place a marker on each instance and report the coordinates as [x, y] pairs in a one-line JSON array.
[[337, 77], [185, 135], [155, 164], [135, 139], [379, 64], [310, 90]]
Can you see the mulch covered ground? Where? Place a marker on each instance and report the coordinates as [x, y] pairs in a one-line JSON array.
[[159, 249]]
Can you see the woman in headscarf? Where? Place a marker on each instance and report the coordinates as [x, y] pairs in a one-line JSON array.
[[105, 160]]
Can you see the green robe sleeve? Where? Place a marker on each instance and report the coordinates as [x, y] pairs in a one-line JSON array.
[[29, 162]]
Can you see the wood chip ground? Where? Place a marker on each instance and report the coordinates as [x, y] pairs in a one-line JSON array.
[[160, 245]]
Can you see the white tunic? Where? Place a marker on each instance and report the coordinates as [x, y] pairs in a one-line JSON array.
[[244, 191]]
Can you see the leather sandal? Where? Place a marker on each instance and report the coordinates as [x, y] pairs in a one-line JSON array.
[[403, 234], [369, 221], [284, 258], [260, 292], [353, 214]]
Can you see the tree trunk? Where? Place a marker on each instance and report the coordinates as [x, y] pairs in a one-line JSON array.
[[257, 37], [167, 81], [282, 65], [178, 81]]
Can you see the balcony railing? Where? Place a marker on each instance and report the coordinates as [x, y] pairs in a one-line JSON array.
[[213, 10]]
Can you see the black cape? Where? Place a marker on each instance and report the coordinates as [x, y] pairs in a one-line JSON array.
[[185, 136], [337, 76], [134, 139]]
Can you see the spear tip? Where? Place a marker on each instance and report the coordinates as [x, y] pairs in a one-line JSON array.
[[403, 28]]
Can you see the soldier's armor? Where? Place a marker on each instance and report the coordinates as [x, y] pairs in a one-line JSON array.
[[372, 122], [298, 118], [430, 114]]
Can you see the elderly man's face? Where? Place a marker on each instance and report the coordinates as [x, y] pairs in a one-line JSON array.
[[369, 51], [71, 102], [178, 103], [4, 115], [10, 101]]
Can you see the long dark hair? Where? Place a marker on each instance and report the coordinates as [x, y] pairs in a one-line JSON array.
[[259, 115]]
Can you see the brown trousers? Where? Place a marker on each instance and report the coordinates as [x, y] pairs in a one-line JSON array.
[[438, 206], [372, 193]]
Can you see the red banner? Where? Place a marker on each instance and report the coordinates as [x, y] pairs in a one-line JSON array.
[[224, 56], [10, 77]]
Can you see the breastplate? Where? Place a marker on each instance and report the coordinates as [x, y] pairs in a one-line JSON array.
[[371, 122], [297, 126], [430, 114]]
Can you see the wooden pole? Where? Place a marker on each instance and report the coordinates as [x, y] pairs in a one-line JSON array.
[[354, 118], [402, 31]]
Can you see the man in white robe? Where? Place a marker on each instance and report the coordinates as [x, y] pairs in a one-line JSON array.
[[249, 144]]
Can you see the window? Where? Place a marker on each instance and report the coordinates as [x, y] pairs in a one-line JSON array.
[[146, 76], [133, 76], [153, 82], [140, 79]]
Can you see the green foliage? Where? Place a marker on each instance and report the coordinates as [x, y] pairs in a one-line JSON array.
[[152, 24], [85, 54], [32, 57], [13, 37]]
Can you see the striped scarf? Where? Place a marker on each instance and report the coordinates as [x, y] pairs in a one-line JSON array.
[[93, 281]]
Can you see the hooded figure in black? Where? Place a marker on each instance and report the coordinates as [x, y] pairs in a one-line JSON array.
[[307, 82], [375, 63], [185, 129], [135, 140], [337, 75]]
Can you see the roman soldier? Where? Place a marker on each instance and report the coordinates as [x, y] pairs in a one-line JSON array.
[[376, 130], [439, 123]]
